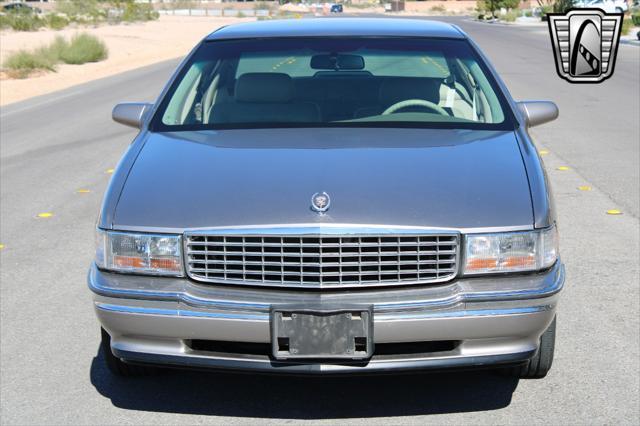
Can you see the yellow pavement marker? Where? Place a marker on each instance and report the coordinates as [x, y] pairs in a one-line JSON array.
[[1, 246], [108, 171], [614, 212], [584, 188], [45, 215], [83, 191], [564, 168], [543, 152]]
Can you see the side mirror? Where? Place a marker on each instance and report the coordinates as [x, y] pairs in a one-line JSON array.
[[131, 113], [538, 112]]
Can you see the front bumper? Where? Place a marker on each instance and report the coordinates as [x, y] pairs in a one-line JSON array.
[[492, 320]]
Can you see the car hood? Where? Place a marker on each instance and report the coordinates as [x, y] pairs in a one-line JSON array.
[[442, 178]]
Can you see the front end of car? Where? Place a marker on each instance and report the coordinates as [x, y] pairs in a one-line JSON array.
[[436, 299]]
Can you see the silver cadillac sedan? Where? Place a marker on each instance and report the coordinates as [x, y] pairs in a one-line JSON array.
[[330, 196]]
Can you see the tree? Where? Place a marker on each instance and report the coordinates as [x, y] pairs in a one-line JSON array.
[[561, 6], [493, 5], [510, 4]]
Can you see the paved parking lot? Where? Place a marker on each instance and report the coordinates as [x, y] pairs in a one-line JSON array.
[[54, 146]]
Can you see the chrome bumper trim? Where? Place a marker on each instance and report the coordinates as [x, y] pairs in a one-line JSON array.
[[179, 313], [265, 317], [446, 296]]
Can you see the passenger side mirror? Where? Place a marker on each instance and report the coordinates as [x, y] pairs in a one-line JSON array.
[[538, 112], [131, 113]]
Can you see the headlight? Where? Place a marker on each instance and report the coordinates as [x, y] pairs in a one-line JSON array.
[[139, 253], [510, 251]]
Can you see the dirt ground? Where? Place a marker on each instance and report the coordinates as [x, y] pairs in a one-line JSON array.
[[130, 46]]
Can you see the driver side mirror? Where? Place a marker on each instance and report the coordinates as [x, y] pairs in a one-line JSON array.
[[131, 113], [538, 112]]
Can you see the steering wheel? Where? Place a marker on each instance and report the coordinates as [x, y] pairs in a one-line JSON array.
[[415, 102]]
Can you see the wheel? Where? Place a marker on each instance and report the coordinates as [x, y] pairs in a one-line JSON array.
[[538, 366], [116, 366]]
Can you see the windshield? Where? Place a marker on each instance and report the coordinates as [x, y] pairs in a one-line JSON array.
[[325, 82]]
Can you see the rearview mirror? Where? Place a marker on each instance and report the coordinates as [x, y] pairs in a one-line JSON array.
[[131, 113], [538, 112], [337, 62]]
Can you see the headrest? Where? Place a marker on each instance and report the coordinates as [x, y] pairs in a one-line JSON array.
[[400, 89], [264, 87]]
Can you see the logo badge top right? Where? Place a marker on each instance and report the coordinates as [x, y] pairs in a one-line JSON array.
[[585, 43]]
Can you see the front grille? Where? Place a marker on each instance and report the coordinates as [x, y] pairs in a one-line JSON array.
[[322, 261]]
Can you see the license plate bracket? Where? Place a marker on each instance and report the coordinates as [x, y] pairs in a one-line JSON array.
[[322, 333]]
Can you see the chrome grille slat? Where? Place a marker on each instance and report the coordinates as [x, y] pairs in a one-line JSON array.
[[322, 261], [401, 244], [336, 254], [326, 264]]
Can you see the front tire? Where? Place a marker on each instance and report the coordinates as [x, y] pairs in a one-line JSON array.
[[538, 366], [116, 366]]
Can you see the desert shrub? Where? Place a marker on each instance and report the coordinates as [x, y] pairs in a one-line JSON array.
[[139, 12], [510, 16], [55, 49], [24, 21], [438, 8], [5, 22], [82, 12], [183, 4], [83, 48], [56, 21], [78, 7], [22, 63]]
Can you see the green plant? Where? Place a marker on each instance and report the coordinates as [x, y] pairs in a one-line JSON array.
[[24, 21], [510, 16], [83, 48], [22, 63], [56, 21], [544, 10], [627, 24], [78, 7], [139, 12], [509, 4], [635, 18], [55, 49], [5, 22], [490, 6], [562, 6]]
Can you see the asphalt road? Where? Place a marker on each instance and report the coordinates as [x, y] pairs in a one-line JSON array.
[[50, 370]]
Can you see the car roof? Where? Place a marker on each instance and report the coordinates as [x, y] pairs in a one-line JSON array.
[[327, 27]]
